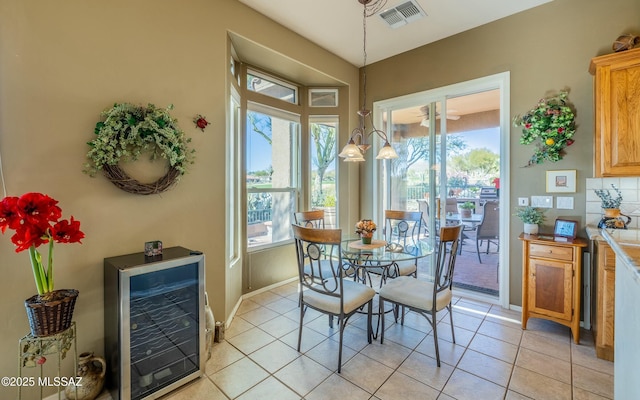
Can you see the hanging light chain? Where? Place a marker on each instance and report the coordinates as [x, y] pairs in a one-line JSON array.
[[352, 151], [371, 7], [364, 56]]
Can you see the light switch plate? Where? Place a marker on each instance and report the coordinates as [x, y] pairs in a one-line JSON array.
[[542, 201], [523, 201], [564, 203]]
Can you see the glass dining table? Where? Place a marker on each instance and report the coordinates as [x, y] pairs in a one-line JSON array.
[[372, 264], [379, 258]]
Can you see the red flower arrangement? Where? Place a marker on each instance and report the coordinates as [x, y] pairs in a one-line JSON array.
[[35, 218], [366, 227]]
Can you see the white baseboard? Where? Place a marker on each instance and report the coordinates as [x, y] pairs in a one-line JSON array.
[[233, 312], [267, 288]]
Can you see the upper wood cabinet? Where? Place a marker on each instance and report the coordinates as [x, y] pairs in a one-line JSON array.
[[617, 110]]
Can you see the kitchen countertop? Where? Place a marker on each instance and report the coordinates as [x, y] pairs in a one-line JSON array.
[[624, 242]]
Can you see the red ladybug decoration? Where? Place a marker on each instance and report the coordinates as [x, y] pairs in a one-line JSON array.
[[201, 122]]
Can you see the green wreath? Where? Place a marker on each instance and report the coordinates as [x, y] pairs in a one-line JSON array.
[[552, 123], [129, 130]]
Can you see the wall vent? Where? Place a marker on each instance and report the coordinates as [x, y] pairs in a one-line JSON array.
[[402, 14]]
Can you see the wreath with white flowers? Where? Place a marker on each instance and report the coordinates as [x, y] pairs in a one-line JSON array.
[[130, 130], [552, 122]]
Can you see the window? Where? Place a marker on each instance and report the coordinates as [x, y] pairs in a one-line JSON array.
[[323, 133], [272, 87], [323, 97], [272, 142]]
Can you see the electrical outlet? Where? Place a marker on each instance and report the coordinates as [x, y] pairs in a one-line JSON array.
[[542, 201], [523, 201]]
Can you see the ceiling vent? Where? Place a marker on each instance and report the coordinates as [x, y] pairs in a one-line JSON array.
[[402, 14]]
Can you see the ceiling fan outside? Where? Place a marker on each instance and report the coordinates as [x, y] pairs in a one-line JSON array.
[[451, 115]]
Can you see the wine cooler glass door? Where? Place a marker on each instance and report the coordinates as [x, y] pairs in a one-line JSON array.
[[164, 328]]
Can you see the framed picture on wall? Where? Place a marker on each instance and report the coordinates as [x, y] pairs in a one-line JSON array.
[[561, 181]]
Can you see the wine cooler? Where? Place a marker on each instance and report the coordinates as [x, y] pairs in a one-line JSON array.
[[153, 322]]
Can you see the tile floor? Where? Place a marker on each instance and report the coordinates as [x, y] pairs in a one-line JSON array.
[[491, 359]]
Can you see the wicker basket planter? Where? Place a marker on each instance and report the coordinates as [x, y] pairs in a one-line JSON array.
[[52, 312]]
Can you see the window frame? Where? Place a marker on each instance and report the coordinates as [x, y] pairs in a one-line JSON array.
[[315, 119], [294, 189], [270, 78]]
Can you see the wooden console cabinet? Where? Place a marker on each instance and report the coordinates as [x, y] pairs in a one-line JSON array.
[[605, 284], [552, 280], [617, 112]]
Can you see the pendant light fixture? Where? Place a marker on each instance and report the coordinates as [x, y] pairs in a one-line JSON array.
[[358, 144]]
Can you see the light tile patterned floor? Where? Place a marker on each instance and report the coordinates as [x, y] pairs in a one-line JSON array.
[[491, 359]]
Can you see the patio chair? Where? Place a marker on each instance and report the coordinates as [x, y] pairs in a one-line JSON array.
[[489, 228], [451, 205], [328, 293], [423, 206], [426, 298]]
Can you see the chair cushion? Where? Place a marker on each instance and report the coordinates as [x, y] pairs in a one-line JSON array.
[[406, 267], [355, 295], [414, 293]]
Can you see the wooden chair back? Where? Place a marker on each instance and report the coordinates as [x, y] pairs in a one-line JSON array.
[[310, 219]]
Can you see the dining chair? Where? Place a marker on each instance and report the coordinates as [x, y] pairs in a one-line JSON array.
[[425, 297], [310, 219], [489, 228], [402, 228], [328, 293], [314, 219]]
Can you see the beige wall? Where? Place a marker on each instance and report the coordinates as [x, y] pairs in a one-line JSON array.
[[546, 48], [61, 63]]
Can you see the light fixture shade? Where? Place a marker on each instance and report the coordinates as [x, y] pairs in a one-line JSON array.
[[350, 151], [387, 152], [355, 159]]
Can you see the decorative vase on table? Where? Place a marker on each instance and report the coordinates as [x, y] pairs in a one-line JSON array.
[[366, 237], [614, 219], [465, 213], [365, 229], [531, 229], [92, 370]]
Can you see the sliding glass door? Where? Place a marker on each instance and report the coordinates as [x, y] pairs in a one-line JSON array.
[[450, 144]]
